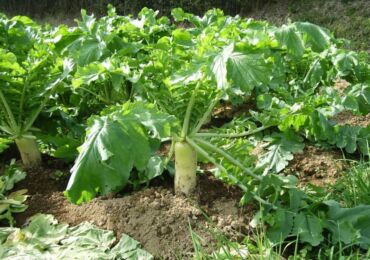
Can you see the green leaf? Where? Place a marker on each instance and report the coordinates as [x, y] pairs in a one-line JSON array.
[[349, 225], [347, 137], [219, 66], [178, 14], [86, 234], [345, 63], [11, 176], [88, 74], [248, 70], [115, 144], [90, 50], [350, 103], [308, 228], [264, 101], [44, 228], [281, 224], [289, 38], [154, 168], [281, 148], [297, 121], [128, 248], [362, 94], [314, 35], [13, 202], [182, 37], [9, 62], [4, 144]]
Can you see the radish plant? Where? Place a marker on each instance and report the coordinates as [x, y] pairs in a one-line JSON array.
[[190, 96], [107, 53], [186, 74], [30, 72], [145, 81]]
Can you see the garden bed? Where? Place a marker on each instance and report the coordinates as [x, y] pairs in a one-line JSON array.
[[154, 216], [158, 218]]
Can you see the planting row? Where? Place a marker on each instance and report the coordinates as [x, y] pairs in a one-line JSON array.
[[109, 92]]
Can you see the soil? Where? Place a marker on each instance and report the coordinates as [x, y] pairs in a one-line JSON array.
[[226, 112], [341, 85], [347, 118], [316, 166], [154, 216]]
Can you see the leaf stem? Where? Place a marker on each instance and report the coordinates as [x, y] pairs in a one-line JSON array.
[[96, 95], [206, 114], [35, 114], [309, 72], [9, 113], [170, 152], [228, 157], [206, 155], [185, 127], [42, 105], [21, 103], [237, 135]]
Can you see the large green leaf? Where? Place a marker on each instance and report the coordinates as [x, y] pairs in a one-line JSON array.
[[245, 70], [88, 74], [362, 94], [349, 225], [182, 37], [248, 70], [289, 38], [314, 35], [115, 144], [91, 50]]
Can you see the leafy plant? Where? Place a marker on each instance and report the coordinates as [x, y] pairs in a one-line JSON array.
[[44, 238], [147, 76], [138, 128], [30, 73], [11, 202], [187, 75]]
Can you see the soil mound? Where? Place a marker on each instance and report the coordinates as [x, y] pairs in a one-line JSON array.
[[155, 216], [316, 166], [347, 118]]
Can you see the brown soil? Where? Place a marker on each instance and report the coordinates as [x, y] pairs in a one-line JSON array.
[[226, 112], [316, 166], [154, 216], [347, 118], [341, 85]]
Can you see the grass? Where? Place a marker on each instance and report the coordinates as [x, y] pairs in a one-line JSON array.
[[258, 247], [353, 188], [348, 19]]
